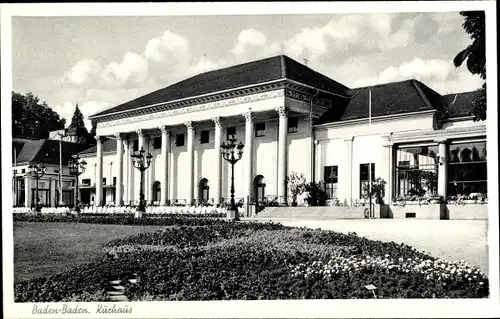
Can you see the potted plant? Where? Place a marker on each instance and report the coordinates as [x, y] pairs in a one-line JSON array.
[[377, 190], [436, 199], [296, 183]]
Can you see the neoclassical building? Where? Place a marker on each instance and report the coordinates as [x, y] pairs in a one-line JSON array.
[[290, 119]]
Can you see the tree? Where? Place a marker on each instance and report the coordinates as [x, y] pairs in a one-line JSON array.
[[296, 184], [475, 54], [377, 189], [28, 106]]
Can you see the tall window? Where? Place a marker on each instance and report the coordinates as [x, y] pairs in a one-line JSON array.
[[231, 132], [293, 125], [179, 140], [416, 170], [204, 137], [157, 143], [364, 177], [467, 173], [260, 129], [331, 177]]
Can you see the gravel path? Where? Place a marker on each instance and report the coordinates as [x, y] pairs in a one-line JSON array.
[[446, 239]]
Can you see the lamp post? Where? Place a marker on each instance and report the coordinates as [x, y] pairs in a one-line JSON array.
[[76, 168], [232, 153], [141, 161], [36, 170]]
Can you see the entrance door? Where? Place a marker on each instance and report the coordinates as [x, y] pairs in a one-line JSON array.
[[204, 190], [85, 196], [259, 188]]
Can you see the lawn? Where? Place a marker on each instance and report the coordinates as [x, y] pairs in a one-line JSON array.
[[44, 249], [233, 261]]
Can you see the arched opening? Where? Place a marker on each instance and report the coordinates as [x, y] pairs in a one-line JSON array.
[[204, 190], [259, 184], [156, 191]]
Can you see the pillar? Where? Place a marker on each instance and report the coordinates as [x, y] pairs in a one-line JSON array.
[[443, 168], [247, 153], [348, 169], [98, 182], [119, 170], [27, 191], [126, 167], [165, 142], [317, 155], [218, 161], [282, 154], [190, 151], [387, 158]]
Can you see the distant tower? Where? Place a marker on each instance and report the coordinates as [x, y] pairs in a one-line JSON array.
[[76, 131], [305, 61]]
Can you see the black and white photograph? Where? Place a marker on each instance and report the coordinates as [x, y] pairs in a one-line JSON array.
[[276, 159]]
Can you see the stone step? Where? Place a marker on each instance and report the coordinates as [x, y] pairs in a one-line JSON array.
[[118, 287], [118, 298], [114, 293]]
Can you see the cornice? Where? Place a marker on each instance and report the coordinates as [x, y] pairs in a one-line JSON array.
[[451, 133], [285, 88]]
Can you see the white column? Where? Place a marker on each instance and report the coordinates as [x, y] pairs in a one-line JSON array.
[[140, 145], [147, 174], [443, 169], [27, 191], [348, 169], [247, 153], [126, 167], [318, 162], [387, 158], [190, 151], [218, 161], [282, 154], [119, 170], [98, 182], [165, 142]]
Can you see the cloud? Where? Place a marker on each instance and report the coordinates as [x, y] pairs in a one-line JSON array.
[[168, 46], [438, 74], [83, 72], [133, 69], [248, 38]]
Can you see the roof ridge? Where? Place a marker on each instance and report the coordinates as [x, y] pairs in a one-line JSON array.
[[420, 92], [381, 84]]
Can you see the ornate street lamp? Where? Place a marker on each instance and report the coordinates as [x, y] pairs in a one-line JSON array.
[[232, 153], [36, 170], [142, 162], [76, 168]]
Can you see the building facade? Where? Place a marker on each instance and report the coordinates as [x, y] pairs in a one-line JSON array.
[[290, 119]]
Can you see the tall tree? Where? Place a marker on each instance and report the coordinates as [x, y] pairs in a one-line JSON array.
[[475, 55]]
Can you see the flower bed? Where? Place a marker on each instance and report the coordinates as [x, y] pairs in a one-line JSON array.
[[250, 260]]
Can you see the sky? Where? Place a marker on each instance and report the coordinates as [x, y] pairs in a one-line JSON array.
[[101, 62]]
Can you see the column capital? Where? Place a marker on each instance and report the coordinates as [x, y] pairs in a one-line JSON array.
[[189, 125], [282, 111], [98, 138], [119, 136], [248, 116], [349, 139], [441, 140], [140, 132], [216, 120], [164, 129]]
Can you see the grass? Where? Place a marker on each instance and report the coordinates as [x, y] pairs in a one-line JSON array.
[[44, 249]]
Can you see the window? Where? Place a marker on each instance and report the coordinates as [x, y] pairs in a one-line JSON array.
[[114, 180], [157, 143], [231, 133], [104, 181], [467, 171], [260, 129], [23, 170], [179, 140], [204, 137], [86, 182], [293, 125], [135, 145], [364, 177], [416, 170], [331, 176]]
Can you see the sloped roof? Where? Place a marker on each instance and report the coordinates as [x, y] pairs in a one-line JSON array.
[[108, 145], [255, 72], [47, 151], [459, 104], [386, 99]]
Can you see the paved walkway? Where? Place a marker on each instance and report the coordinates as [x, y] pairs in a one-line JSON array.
[[446, 239]]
